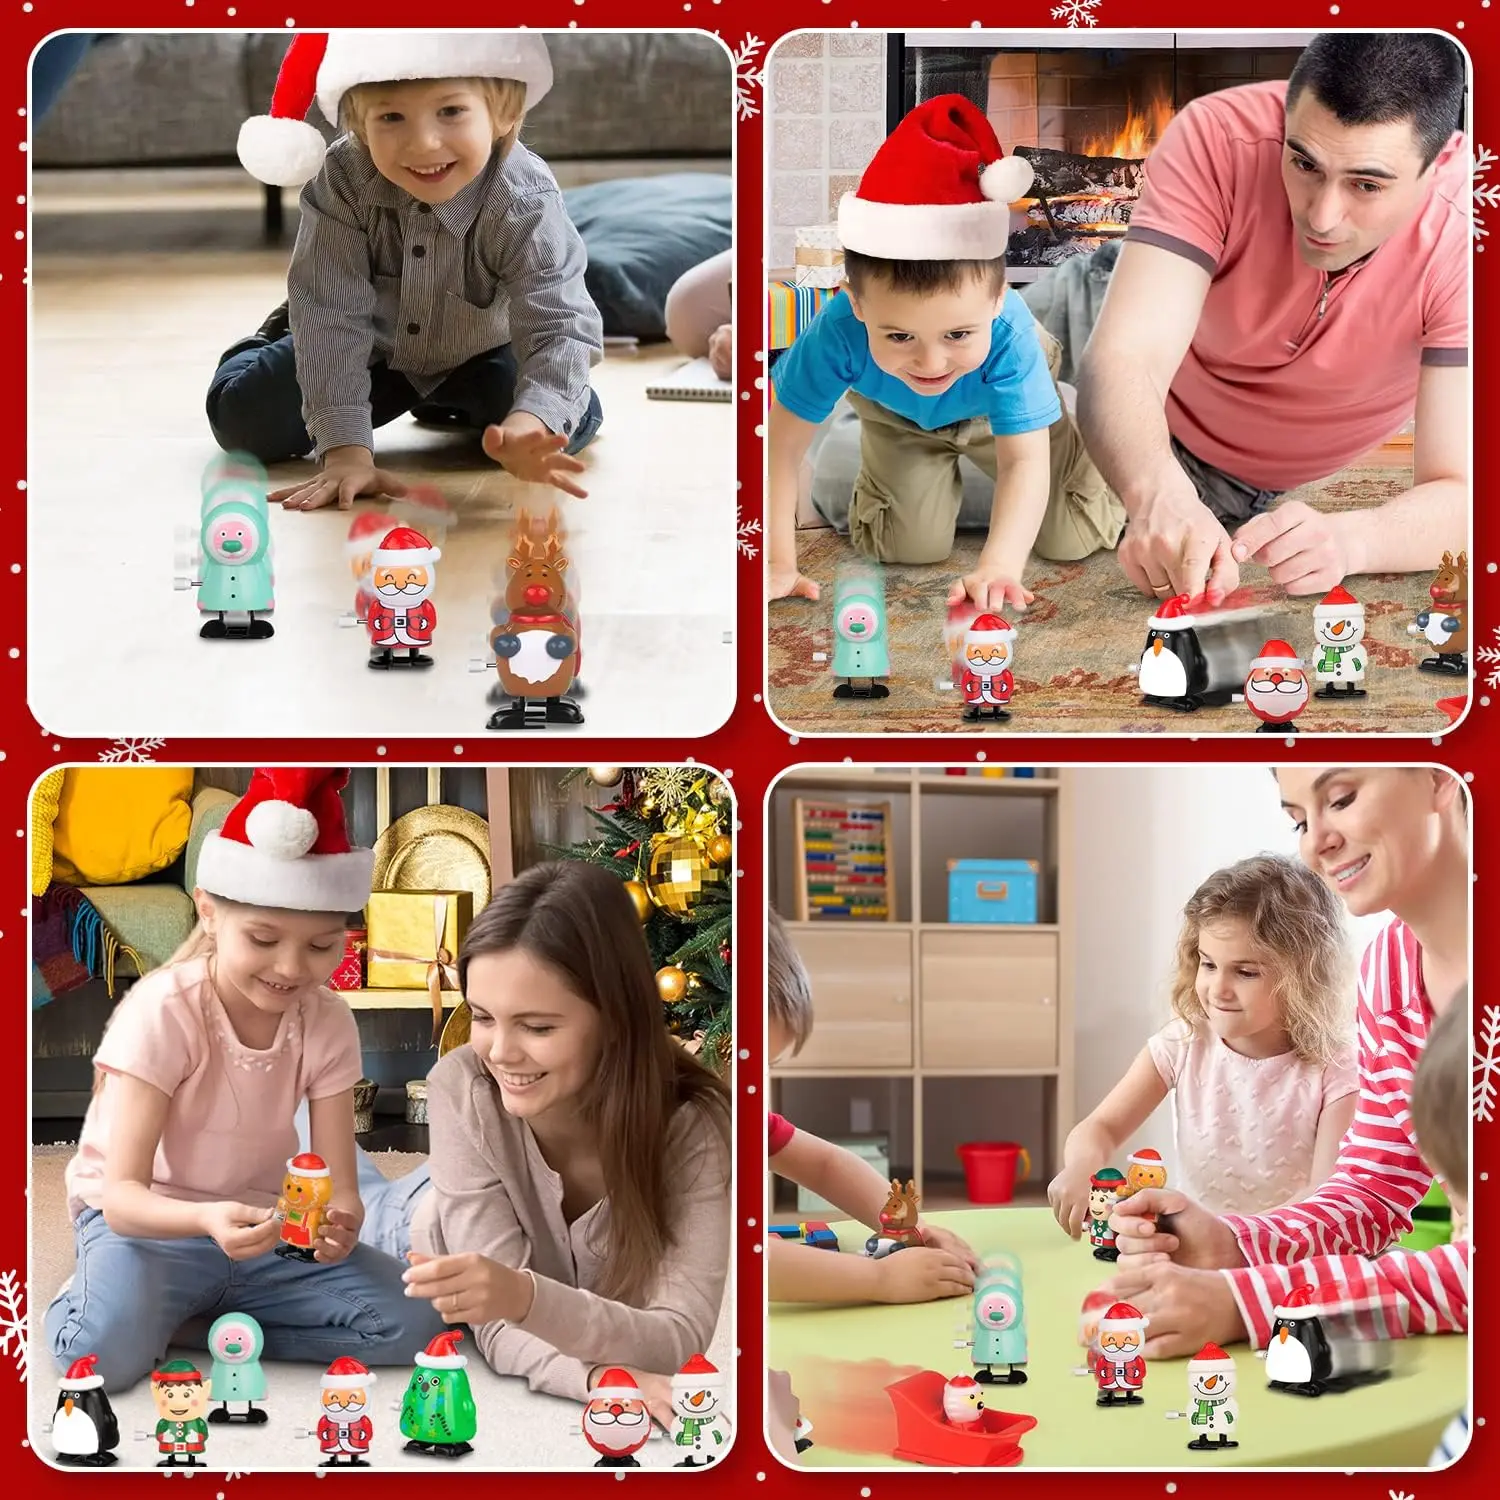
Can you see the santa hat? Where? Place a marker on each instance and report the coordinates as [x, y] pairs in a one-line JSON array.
[[346, 1374], [1145, 1157], [405, 548], [1337, 603], [989, 630], [1172, 614], [363, 533], [82, 1375], [696, 1374], [442, 1353], [962, 1383], [1107, 1177], [939, 188], [284, 845], [307, 1165], [1210, 1357], [1277, 654], [1121, 1316], [283, 149], [616, 1385], [1299, 1303]]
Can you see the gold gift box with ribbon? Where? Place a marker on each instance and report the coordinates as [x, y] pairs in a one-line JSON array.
[[413, 943]]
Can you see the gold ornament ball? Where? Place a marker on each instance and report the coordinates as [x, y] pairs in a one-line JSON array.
[[606, 775], [639, 898], [695, 986], [647, 805], [680, 873], [671, 984], [718, 793], [720, 849]]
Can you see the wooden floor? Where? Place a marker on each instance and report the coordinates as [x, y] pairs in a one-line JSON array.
[[129, 313]]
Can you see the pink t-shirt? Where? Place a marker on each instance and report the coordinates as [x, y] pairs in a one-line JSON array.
[[1270, 392], [229, 1131], [1245, 1126]]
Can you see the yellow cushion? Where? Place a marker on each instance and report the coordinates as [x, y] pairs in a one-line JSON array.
[[116, 824], [43, 812]]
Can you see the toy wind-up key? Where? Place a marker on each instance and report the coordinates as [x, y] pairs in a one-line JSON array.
[[535, 639]]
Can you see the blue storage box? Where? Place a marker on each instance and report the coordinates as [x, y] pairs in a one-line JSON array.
[[992, 890]]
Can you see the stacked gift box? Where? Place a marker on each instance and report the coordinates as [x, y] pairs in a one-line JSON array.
[[816, 277]]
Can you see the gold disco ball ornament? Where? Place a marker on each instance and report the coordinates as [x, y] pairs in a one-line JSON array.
[[681, 873]]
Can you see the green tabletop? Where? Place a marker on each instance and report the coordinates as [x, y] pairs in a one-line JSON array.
[[839, 1360]]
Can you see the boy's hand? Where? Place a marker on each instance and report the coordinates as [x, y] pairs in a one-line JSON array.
[[339, 1232], [534, 455], [935, 1237], [348, 474], [918, 1274], [241, 1232], [469, 1288], [991, 588], [783, 581], [1068, 1193]]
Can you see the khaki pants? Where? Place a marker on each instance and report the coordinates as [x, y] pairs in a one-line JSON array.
[[907, 496]]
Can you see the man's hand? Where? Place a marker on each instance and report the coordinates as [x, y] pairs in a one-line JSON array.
[[1158, 1223], [918, 1274], [241, 1232], [1184, 1308], [1306, 551], [1174, 545], [992, 587], [783, 581], [721, 351], [469, 1288], [347, 475], [935, 1237], [522, 446], [339, 1232]]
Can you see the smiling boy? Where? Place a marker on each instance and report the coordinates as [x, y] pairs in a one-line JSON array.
[[435, 269], [938, 362]]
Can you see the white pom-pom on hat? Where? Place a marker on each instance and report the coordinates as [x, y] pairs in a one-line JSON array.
[[1006, 180], [280, 151], [281, 830]]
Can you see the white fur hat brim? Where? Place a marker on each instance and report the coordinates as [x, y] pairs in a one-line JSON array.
[[279, 151], [921, 231], [316, 882]]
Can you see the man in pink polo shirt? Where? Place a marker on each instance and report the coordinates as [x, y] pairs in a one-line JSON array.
[[1294, 285]]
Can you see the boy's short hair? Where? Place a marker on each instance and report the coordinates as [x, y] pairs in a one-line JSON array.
[[788, 993], [921, 277], [1440, 1101], [505, 98]]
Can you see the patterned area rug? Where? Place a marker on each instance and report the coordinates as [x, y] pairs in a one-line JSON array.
[[1079, 643]]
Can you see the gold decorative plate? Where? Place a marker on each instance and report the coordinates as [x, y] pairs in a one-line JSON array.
[[456, 1029], [435, 849]]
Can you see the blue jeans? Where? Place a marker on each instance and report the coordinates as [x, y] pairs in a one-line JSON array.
[[55, 63], [255, 403], [129, 1297]]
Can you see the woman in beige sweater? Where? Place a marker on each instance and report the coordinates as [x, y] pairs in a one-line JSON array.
[[578, 1212]]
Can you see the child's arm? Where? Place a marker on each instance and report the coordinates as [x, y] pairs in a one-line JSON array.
[[805, 1273], [788, 438], [1094, 1140], [331, 1133], [847, 1181], [1023, 480], [131, 1209], [1333, 1124]]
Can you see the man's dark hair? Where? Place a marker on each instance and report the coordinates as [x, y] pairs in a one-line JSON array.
[[1376, 78], [921, 277]]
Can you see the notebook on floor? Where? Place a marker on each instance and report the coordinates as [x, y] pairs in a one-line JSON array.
[[694, 381]]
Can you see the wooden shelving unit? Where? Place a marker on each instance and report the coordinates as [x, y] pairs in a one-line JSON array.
[[927, 1011]]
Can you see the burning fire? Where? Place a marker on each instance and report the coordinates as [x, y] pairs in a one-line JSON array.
[[1141, 132]]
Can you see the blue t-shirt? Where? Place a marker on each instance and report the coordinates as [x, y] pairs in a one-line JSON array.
[[832, 355]]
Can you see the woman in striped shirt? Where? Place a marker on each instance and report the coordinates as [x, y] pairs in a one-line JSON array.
[[1385, 839]]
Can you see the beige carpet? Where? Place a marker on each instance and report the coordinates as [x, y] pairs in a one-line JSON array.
[[1079, 642], [517, 1430]]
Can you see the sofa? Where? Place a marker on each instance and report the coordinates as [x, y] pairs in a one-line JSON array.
[[164, 99]]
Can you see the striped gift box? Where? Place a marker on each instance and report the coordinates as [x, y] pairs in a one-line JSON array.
[[793, 307]]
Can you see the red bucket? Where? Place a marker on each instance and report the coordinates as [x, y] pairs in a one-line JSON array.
[[990, 1169]]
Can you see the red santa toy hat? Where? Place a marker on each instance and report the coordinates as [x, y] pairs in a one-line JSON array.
[[696, 1374], [961, 1383], [939, 188], [989, 630], [82, 1375], [1145, 1157], [283, 149], [615, 1385], [1208, 1359], [1172, 614], [1121, 1316], [442, 1353], [1277, 655], [307, 1165], [1336, 604], [1299, 1303], [365, 533], [404, 547], [285, 845], [346, 1374]]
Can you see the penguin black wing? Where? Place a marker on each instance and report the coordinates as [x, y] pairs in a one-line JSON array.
[[108, 1425]]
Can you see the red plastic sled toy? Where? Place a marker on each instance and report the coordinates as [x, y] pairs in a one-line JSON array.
[[926, 1436]]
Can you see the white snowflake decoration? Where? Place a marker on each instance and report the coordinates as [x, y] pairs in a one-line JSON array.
[[744, 531], [1487, 1059], [1486, 195], [1077, 12], [1401, 1495], [1489, 658], [131, 752], [748, 77], [13, 1320]]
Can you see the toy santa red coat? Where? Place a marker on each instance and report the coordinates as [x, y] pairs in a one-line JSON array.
[[389, 627], [345, 1437], [1130, 1376], [993, 691]]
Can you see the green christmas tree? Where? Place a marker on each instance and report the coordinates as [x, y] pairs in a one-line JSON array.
[[667, 833]]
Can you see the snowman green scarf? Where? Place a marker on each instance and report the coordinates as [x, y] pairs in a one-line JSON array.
[[1329, 660], [1203, 1413]]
